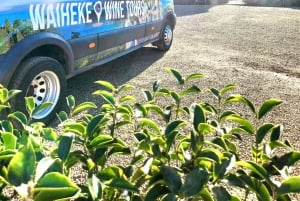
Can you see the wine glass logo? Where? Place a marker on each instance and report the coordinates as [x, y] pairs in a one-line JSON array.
[[98, 10]]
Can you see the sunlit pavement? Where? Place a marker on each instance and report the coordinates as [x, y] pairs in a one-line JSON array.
[[235, 2]]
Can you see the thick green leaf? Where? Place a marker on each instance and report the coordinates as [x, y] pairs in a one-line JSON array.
[[19, 116], [163, 91], [177, 75], [127, 98], [21, 166], [233, 180], [139, 136], [12, 93], [122, 184], [64, 147], [2, 107], [246, 125], [106, 84], [3, 94], [149, 123], [42, 167], [221, 194], [109, 173], [194, 182], [126, 109], [215, 92], [40, 107], [147, 165], [155, 86], [124, 87], [9, 140], [95, 188], [168, 113], [275, 133], [290, 185], [194, 76], [83, 106], [240, 99], [94, 124], [206, 195], [171, 139], [55, 186], [156, 108], [227, 88], [137, 159], [71, 102], [173, 126], [172, 178], [280, 162], [119, 143], [155, 192], [205, 128], [7, 154], [55, 180], [221, 168], [119, 150], [211, 154], [107, 96], [267, 106], [198, 115], [76, 128], [140, 110], [289, 159], [101, 141], [256, 186], [49, 134], [254, 167], [210, 108], [176, 97], [145, 146], [192, 89], [63, 116], [262, 132], [6, 126], [29, 104], [148, 95], [226, 114], [220, 142], [284, 197]]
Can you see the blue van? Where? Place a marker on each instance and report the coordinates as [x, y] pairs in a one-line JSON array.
[[45, 42]]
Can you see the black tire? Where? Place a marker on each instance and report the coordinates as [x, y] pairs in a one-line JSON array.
[[166, 37], [44, 79]]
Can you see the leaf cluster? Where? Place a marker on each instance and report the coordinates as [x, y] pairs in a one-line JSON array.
[[176, 151]]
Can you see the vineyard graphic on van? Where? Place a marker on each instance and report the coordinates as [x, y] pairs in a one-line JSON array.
[[71, 19]]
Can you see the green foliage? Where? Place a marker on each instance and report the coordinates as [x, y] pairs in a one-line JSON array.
[[172, 150]]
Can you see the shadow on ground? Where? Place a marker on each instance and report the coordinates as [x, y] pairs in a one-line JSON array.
[[117, 72], [184, 10]]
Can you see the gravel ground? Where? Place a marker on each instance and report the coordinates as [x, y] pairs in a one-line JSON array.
[[256, 48]]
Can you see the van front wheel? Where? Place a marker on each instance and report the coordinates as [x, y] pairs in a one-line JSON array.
[[166, 38], [43, 78]]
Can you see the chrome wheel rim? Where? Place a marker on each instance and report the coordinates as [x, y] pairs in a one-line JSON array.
[[45, 87], [168, 35]]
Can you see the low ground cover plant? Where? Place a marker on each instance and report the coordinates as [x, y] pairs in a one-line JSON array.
[[178, 151]]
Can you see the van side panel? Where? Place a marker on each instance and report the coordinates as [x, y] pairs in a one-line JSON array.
[[94, 29]]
